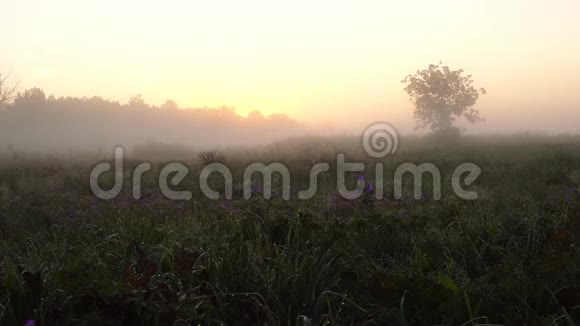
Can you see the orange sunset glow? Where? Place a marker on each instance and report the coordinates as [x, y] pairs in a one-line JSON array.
[[330, 63], [290, 163]]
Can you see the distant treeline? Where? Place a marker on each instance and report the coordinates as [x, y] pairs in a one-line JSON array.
[[36, 122]]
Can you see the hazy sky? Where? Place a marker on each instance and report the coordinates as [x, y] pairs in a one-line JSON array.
[[334, 62]]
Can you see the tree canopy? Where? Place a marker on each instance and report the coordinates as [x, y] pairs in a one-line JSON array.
[[7, 89], [440, 96]]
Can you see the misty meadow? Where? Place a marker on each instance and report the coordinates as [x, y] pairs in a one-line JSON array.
[[290, 163], [508, 257]]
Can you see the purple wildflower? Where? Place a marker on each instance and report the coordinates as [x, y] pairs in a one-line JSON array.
[[332, 202], [570, 196], [30, 322], [369, 189]]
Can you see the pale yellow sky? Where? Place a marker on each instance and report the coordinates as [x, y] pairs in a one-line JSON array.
[[334, 62]]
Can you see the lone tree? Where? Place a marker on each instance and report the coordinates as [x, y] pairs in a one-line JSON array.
[[440, 96], [7, 89]]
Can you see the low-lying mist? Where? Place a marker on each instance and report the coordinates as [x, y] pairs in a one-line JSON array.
[[36, 123]]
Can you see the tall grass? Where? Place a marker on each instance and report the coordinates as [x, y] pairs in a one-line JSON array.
[[509, 257]]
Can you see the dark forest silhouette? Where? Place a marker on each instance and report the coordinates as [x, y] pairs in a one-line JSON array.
[[34, 121]]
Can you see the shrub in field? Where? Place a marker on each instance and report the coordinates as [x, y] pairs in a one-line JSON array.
[[211, 157]]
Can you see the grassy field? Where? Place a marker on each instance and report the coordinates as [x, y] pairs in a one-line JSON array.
[[509, 257]]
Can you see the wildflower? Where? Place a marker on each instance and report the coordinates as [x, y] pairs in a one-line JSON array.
[[30, 322], [361, 178], [403, 213], [572, 191], [369, 188], [332, 201]]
